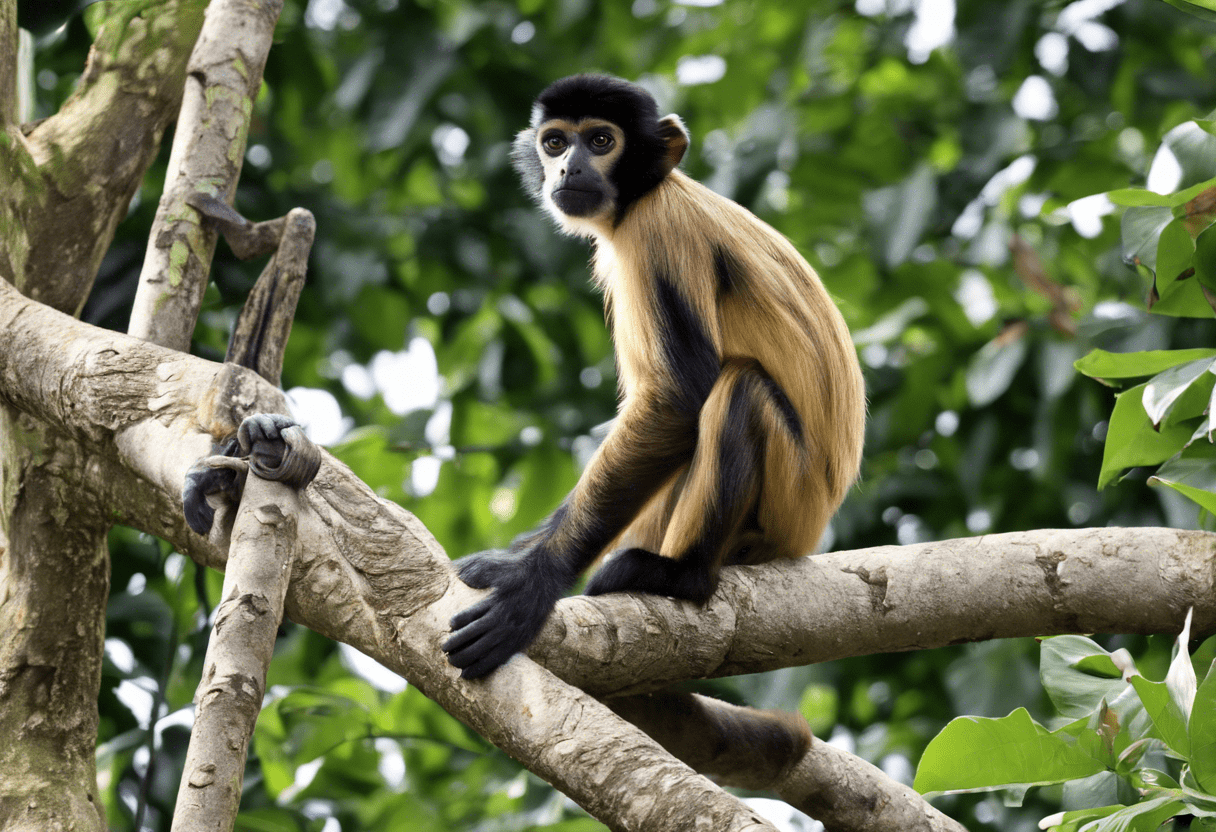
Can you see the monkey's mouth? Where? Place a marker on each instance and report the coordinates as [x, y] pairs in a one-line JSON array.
[[577, 202]]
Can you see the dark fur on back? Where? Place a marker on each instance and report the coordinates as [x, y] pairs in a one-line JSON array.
[[626, 105]]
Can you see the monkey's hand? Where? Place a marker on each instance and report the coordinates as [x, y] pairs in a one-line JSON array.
[[491, 631], [276, 449]]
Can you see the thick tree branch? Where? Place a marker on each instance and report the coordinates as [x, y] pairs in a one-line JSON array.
[[373, 577], [224, 76], [54, 584], [91, 156], [370, 575], [887, 598], [839, 790]]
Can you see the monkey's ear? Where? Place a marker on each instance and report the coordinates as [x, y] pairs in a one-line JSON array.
[[672, 131]]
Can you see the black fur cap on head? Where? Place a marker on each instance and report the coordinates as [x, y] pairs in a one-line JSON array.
[[644, 161]]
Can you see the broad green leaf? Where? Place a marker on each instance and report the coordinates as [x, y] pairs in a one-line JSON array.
[[1145, 816], [1131, 439], [1203, 734], [1078, 674], [1073, 821], [1175, 251], [1185, 300], [1204, 259], [1204, 431], [975, 754], [1103, 365], [1141, 230], [1200, 11], [1194, 478], [1169, 703], [1194, 149], [1199, 800], [1164, 389], [1168, 720], [1139, 197]]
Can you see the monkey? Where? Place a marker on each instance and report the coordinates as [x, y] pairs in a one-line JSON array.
[[742, 406]]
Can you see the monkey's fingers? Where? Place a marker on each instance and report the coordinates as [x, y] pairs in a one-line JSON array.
[[480, 641], [203, 479]]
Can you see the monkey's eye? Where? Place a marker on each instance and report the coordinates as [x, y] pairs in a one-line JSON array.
[[602, 142], [554, 143]]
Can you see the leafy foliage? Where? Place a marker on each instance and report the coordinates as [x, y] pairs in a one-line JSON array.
[[1170, 240], [938, 186], [1128, 740]]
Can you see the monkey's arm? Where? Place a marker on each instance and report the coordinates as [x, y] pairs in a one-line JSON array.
[[648, 443]]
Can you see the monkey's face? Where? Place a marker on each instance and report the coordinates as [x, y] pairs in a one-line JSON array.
[[577, 159]]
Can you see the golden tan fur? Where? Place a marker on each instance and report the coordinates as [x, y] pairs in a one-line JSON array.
[[779, 313]]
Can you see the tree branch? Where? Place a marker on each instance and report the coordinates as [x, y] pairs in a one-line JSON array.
[[371, 575], [888, 598], [224, 76], [90, 157], [233, 685], [836, 788], [54, 558]]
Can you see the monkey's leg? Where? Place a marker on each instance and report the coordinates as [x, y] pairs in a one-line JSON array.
[[719, 496], [647, 446]]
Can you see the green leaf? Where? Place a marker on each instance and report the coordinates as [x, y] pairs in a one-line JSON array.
[[1164, 389], [1200, 11], [1204, 259], [1168, 719], [1141, 230], [1199, 800], [976, 754], [1104, 366], [1185, 300], [1146, 816], [1203, 734], [1131, 440], [1175, 251], [1169, 703], [1194, 478], [1078, 675], [1139, 197], [1195, 149]]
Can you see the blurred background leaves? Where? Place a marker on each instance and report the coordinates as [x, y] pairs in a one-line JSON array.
[[941, 165]]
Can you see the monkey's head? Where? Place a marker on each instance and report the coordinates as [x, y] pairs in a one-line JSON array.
[[596, 144]]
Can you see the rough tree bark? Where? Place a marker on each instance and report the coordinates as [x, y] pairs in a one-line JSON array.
[[231, 691], [66, 185]]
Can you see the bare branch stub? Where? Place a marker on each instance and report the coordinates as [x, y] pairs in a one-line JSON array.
[[259, 339]]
